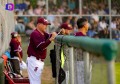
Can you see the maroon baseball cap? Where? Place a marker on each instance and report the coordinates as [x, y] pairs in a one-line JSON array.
[[43, 21], [66, 26], [14, 34]]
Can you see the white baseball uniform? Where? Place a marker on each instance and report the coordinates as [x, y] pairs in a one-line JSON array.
[[35, 68]]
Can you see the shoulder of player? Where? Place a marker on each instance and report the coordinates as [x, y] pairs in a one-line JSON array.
[[34, 33], [14, 42]]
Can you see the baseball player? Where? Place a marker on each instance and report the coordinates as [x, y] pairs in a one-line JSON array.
[[15, 52], [65, 29], [83, 25], [39, 40]]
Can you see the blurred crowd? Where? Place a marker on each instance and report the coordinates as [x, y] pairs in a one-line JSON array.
[[97, 27], [101, 7], [115, 9], [26, 7], [65, 7], [39, 7]]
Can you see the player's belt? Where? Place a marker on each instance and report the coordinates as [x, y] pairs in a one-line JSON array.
[[37, 59]]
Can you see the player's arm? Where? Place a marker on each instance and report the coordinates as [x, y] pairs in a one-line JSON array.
[[18, 54], [40, 43]]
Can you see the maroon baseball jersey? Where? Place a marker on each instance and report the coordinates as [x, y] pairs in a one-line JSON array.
[[38, 44], [15, 46], [79, 34]]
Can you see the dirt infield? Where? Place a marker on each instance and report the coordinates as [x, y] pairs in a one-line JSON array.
[[47, 76]]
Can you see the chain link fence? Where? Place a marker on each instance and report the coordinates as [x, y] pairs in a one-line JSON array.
[[82, 67], [97, 71]]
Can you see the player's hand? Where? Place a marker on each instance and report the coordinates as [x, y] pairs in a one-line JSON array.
[[20, 61], [54, 34], [63, 31]]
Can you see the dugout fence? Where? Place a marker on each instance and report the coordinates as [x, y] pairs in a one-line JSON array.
[[87, 60]]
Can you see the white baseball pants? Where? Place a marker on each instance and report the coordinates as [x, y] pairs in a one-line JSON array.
[[35, 68]]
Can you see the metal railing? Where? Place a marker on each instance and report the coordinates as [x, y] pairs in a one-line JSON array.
[[87, 60]]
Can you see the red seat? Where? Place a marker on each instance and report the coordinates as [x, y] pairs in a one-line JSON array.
[[16, 80], [19, 80]]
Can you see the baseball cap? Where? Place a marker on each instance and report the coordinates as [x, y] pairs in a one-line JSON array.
[[14, 34], [66, 26], [43, 21]]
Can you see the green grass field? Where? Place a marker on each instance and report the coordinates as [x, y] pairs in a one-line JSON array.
[[99, 75], [117, 69], [99, 71]]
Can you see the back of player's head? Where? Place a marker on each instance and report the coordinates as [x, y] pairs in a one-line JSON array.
[[14, 34], [81, 22]]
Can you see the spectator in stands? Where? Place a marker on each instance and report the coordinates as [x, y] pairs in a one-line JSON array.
[[91, 32], [113, 26], [51, 4], [106, 9], [117, 37], [43, 11], [101, 11], [71, 4], [37, 10], [41, 3], [94, 20], [113, 11], [118, 26], [102, 27], [19, 26], [64, 4], [85, 10], [27, 2], [61, 10], [57, 21], [30, 10], [96, 35], [30, 26]]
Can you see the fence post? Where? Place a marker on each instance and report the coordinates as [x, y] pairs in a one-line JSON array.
[[71, 64], [86, 68], [111, 70], [57, 63]]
